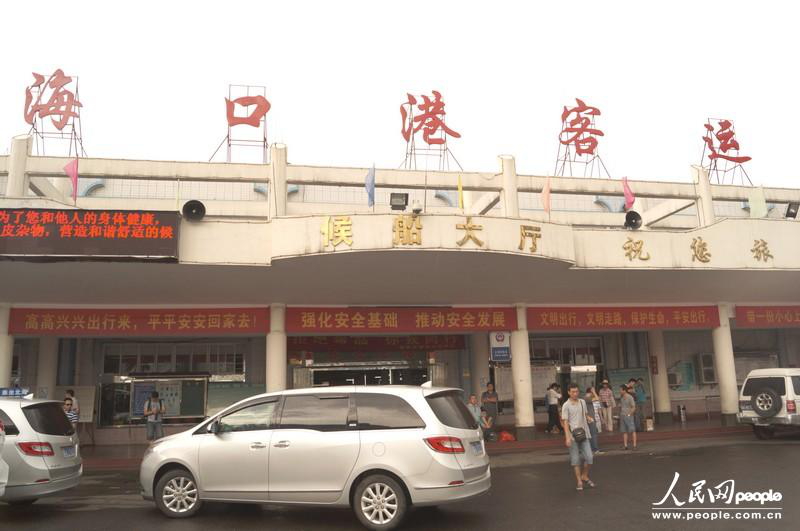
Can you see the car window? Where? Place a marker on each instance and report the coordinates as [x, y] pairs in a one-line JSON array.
[[48, 419], [383, 412], [311, 412], [451, 410], [752, 385], [250, 418], [11, 428], [796, 385]]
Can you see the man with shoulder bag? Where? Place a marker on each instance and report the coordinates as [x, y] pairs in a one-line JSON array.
[[154, 411], [575, 418]]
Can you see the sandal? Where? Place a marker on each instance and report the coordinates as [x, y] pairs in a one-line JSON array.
[[589, 482], [579, 488]]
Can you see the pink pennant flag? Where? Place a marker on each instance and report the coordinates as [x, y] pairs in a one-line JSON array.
[[71, 170], [546, 195], [629, 197]]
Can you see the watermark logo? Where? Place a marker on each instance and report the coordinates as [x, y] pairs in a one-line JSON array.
[[718, 502]]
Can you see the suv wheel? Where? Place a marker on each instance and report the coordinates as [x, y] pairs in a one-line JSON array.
[[379, 502], [766, 402], [177, 495], [763, 432]]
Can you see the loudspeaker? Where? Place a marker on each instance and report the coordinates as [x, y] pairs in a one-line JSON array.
[[632, 220], [193, 210], [791, 210]]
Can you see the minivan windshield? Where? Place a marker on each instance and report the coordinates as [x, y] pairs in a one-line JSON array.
[[451, 410], [48, 419]]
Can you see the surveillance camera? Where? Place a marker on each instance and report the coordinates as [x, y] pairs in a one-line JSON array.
[[416, 208]]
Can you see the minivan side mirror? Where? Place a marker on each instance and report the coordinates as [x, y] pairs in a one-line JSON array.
[[214, 427]]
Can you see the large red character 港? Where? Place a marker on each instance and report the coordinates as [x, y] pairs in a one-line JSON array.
[[430, 121], [577, 128], [727, 142], [62, 102]]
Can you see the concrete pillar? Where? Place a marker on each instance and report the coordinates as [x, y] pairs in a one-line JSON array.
[[17, 182], [479, 362], [6, 347], [47, 367], [276, 348], [705, 201], [658, 364], [510, 196], [521, 374], [725, 368], [277, 185]]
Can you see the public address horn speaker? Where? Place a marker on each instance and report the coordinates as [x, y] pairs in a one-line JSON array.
[[633, 220], [193, 210]]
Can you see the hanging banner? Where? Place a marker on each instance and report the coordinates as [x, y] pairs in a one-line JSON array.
[[115, 322], [623, 318], [398, 320], [768, 316], [44, 234]]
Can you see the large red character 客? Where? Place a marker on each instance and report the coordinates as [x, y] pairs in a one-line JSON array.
[[430, 121], [577, 130]]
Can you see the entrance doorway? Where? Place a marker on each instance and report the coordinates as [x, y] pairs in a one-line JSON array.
[[367, 375]]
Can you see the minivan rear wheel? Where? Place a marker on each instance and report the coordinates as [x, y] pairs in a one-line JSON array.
[[177, 495], [379, 502]]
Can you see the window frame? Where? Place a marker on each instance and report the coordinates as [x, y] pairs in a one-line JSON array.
[[272, 421], [351, 422], [361, 427]]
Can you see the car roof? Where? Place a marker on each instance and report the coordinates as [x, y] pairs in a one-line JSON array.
[[774, 372], [26, 402], [398, 390]]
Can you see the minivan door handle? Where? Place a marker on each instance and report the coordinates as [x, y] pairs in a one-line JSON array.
[[281, 444], [257, 445]]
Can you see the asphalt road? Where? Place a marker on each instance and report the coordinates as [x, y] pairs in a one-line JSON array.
[[529, 491]]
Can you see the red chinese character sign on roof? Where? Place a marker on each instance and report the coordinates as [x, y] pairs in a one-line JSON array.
[[255, 116], [721, 153], [578, 142], [426, 114], [54, 97], [246, 105]]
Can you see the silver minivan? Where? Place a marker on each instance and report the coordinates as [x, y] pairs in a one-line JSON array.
[[377, 449], [41, 450]]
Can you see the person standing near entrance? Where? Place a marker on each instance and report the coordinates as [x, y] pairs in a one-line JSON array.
[[593, 406], [576, 419], [640, 395], [474, 408], [70, 394], [608, 404], [553, 396], [489, 401], [154, 411], [626, 412]]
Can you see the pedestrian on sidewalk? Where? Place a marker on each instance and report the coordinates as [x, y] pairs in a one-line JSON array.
[[72, 417], [576, 419], [487, 425], [640, 395], [70, 393], [608, 403], [489, 401], [626, 412], [593, 405], [154, 411], [553, 396], [474, 408]]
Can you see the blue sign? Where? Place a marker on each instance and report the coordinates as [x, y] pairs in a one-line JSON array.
[[501, 354], [14, 391]]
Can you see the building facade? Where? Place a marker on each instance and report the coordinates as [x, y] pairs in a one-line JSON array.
[[290, 280]]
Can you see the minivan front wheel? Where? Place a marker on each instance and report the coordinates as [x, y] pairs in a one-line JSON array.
[[379, 502], [177, 495]]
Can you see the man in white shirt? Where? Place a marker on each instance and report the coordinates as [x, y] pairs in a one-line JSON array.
[[575, 418]]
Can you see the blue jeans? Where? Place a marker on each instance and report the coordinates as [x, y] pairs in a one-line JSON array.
[[154, 430], [593, 433]]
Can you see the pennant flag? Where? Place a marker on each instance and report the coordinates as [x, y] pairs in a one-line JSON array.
[[629, 197], [460, 194], [71, 170], [369, 184], [546, 195]]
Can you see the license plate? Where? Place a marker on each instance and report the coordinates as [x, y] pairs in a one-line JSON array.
[[746, 407], [477, 447], [69, 451]]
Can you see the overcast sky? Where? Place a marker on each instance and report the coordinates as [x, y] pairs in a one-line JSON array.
[[153, 76]]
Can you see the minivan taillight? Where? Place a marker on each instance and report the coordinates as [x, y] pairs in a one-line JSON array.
[[35, 448], [791, 406], [445, 445]]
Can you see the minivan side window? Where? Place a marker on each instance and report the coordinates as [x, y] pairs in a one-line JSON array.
[[451, 411], [385, 412], [753, 385], [11, 428], [48, 419], [315, 412], [796, 385], [250, 418]]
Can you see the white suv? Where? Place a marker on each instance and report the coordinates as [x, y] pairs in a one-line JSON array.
[[769, 400], [377, 449]]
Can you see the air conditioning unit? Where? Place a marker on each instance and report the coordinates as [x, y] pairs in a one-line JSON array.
[[705, 365]]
